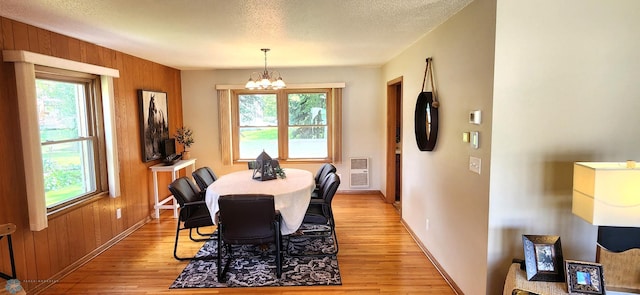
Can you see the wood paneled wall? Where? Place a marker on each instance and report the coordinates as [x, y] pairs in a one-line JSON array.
[[71, 236]]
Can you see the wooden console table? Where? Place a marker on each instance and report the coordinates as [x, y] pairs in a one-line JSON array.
[[162, 204]]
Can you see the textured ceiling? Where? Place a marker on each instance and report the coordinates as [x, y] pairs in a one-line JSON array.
[[228, 34]]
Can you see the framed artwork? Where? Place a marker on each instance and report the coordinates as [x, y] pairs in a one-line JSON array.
[[154, 123], [584, 277], [543, 258]]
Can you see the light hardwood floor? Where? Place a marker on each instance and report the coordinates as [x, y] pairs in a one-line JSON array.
[[377, 256]]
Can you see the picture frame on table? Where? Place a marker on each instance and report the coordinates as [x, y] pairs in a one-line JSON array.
[[154, 123], [543, 258], [584, 277]]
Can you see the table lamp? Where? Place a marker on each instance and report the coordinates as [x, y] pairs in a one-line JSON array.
[[607, 194]]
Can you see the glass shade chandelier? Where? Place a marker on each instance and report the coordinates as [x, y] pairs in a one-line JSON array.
[[266, 79]]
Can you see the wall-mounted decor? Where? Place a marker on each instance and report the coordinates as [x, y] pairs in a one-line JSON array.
[[426, 113], [154, 123], [543, 258], [584, 277]]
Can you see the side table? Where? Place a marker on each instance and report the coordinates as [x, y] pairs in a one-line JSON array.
[[161, 204], [517, 280]]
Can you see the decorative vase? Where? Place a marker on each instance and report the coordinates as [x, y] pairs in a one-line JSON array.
[[186, 155]]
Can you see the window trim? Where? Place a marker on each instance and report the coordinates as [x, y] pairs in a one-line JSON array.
[[225, 114], [24, 65]]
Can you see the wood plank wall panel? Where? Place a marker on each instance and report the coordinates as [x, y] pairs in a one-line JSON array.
[[74, 234]]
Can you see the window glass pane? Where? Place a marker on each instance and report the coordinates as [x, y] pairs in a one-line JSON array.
[[68, 171], [307, 125], [258, 110], [61, 110], [67, 146], [307, 108], [254, 140], [312, 145]]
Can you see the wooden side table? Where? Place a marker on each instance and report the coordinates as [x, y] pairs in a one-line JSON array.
[[517, 280], [162, 204]]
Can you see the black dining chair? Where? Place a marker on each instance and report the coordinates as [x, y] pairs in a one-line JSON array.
[[320, 213], [193, 212], [320, 176], [247, 219], [204, 176]]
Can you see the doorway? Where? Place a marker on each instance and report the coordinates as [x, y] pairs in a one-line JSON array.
[[394, 143]]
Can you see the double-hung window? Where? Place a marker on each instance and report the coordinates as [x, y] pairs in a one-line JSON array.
[[293, 125], [67, 130], [71, 136]]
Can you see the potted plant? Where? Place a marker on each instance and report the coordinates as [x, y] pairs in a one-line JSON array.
[[184, 136]]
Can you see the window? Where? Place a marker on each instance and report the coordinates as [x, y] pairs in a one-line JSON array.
[[294, 125], [69, 117], [308, 126], [94, 147]]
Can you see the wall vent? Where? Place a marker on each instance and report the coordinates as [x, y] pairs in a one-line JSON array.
[[359, 172]]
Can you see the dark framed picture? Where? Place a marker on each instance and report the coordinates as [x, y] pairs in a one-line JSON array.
[[543, 258], [154, 123], [584, 277]]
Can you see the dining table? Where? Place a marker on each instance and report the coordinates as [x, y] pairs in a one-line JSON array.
[[292, 193]]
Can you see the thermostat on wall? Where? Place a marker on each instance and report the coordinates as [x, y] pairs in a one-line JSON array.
[[475, 117]]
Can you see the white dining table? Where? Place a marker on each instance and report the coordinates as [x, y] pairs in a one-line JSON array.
[[292, 194]]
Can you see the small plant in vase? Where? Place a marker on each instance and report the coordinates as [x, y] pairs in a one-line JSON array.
[[184, 136]]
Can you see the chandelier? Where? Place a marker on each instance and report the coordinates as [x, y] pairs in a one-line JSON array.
[[265, 80]]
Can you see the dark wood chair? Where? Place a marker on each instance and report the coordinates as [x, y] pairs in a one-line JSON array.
[[320, 176], [320, 212], [249, 219], [193, 212], [204, 176]]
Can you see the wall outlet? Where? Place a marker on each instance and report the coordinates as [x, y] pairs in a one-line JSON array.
[[475, 164], [118, 213], [426, 225]]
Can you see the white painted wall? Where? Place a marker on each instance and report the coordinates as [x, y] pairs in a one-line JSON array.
[[363, 115], [438, 185], [566, 89]]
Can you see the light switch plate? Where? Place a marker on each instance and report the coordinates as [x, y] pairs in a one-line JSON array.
[[475, 139], [475, 164]]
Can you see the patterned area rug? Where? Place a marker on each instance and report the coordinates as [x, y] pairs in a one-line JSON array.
[[252, 266]]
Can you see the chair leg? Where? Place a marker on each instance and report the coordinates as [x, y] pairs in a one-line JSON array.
[[175, 247], [198, 232], [330, 233], [222, 271], [219, 264], [278, 241], [11, 259], [205, 234]]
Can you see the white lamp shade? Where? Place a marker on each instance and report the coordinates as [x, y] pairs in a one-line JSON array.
[[606, 193]]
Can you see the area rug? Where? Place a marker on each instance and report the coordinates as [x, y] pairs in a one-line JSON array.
[[253, 266]]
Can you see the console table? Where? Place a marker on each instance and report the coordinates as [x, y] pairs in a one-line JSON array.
[[517, 280], [174, 169]]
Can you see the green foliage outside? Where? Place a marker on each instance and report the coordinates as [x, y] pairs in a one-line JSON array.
[[58, 106]]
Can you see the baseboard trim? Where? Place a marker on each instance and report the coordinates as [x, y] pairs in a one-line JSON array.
[[82, 261], [433, 260], [360, 192]]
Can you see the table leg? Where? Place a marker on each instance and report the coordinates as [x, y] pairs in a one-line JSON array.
[[156, 207], [175, 202]]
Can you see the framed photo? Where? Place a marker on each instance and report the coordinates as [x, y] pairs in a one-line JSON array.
[[584, 277], [543, 258], [154, 123]]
